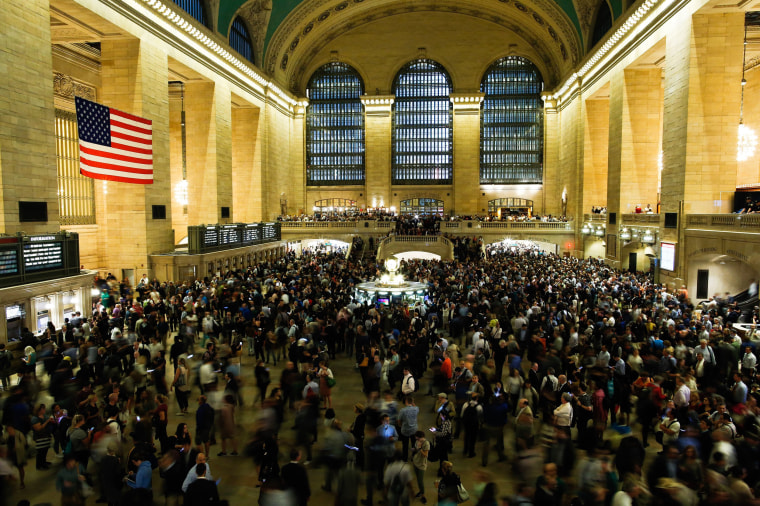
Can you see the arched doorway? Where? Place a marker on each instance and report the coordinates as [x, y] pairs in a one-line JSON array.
[[504, 208], [335, 206], [422, 206]]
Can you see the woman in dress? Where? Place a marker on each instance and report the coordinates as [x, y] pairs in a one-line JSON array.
[[325, 376], [180, 385]]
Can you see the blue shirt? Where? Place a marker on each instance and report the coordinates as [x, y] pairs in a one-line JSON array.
[[387, 432], [143, 476]]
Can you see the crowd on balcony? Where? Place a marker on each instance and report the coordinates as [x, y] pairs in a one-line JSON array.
[[598, 209], [751, 206], [385, 215]]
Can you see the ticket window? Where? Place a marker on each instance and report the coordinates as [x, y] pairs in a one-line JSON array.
[[15, 318], [69, 305], [43, 317]]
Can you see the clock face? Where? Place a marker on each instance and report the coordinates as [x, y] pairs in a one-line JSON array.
[[391, 264]]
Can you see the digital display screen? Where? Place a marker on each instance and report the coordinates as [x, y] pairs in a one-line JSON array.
[[9, 262], [229, 235], [40, 256], [251, 233], [210, 237], [668, 256], [270, 231]]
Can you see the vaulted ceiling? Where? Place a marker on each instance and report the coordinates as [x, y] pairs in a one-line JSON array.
[[289, 34]]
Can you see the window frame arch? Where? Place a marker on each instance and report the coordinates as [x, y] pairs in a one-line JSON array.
[[349, 154], [413, 152], [593, 37], [516, 158], [192, 7], [246, 36]]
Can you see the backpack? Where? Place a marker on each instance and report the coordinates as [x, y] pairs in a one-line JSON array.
[[397, 487], [181, 381], [470, 415]]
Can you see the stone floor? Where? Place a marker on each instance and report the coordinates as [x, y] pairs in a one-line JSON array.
[[238, 474]]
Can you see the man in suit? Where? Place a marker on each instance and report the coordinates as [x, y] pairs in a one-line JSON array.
[[295, 478], [202, 492]]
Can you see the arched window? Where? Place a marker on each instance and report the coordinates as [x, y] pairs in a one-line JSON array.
[[511, 125], [422, 152], [240, 39], [196, 9], [603, 23], [335, 127]]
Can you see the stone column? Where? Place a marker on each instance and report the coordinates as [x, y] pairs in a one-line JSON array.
[[294, 197], [701, 112], [551, 187], [595, 153], [466, 125], [246, 164], [27, 119], [279, 174], [377, 127], [209, 151], [702, 93], [135, 80]]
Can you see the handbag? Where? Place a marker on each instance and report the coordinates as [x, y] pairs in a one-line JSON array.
[[462, 494], [330, 382]]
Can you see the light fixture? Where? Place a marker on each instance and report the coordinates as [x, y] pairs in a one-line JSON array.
[[625, 234], [180, 193], [747, 139], [600, 231], [586, 229], [648, 237]]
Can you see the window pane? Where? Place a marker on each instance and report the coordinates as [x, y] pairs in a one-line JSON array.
[[511, 127], [75, 192], [240, 39], [195, 8], [335, 127], [422, 136]]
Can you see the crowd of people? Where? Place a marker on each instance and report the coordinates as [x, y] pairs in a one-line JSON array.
[[411, 224], [542, 358]]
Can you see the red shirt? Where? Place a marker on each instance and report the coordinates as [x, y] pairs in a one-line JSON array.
[[446, 368]]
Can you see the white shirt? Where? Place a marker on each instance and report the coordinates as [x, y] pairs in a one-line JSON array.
[[682, 396], [622, 499], [192, 476]]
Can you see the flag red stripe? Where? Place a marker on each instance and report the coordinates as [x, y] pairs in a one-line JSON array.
[[133, 149], [130, 116], [95, 175], [119, 135], [101, 165], [145, 131], [113, 156]]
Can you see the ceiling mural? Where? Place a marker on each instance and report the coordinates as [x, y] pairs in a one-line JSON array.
[[575, 10], [312, 26], [288, 33]]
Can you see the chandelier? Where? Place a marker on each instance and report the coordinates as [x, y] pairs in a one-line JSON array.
[[747, 138]]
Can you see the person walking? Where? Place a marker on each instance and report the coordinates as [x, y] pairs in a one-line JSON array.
[[407, 418], [420, 461], [180, 386]]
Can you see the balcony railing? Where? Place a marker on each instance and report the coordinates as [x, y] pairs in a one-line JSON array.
[[728, 222], [595, 218], [446, 227], [652, 220]]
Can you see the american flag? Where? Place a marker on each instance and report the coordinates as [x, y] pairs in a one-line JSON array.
[[114, 145]]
